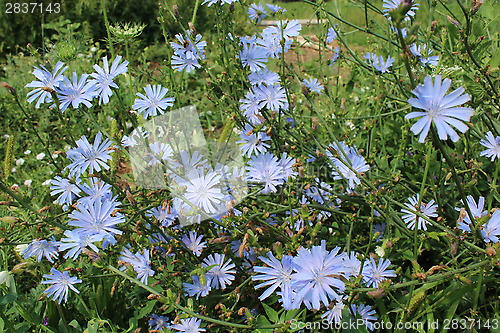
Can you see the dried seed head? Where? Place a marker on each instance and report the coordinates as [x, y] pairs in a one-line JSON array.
[[9, 87], [490, 251], [379, 293], [192, 28], [475, 6], [453, 21]]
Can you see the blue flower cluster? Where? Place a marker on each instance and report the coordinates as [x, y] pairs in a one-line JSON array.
[[78, 90], [317, 276]]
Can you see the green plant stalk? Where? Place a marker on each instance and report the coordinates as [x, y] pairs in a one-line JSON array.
[[116, 156], [61, 119], [27, 205], [406, 52], [127, 54], [454, 174], [9, 156], [477, 292], [468, 49], [195, 11], [493, 185], [366, 14], [349, 235], [421, 195], [108, 31], [96, 123], [63, 318], [431, 278], [44, 143], [337, 17]]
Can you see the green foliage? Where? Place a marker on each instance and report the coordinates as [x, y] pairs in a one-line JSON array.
[[443, 274]]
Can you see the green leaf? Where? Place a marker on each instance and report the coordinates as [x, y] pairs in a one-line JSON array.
[[271, 313], [8, 298], [435, 235], [22, 328], [146, 310], [29, 316], [262, 321], [430, 319], [478, 52], [92, 327], [495, 60], [75, 324], [289, 315]]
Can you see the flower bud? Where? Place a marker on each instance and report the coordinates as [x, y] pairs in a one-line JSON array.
[[66, 50], [9, 219], [192, 28], [475, 6], [379, 293], [490, 251], [9, 87], [453, 21], [398, 14]]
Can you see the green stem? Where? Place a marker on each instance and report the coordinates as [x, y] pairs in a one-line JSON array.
[[337, 17], [196, 5], [26, 205], [108, 31], [454, 174], [431, 278], [421, 194], [477, 291], [406, 52], [43, 142], [468, 49]]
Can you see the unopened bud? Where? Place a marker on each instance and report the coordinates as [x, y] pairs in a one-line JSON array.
[[175, 9], [463, 279], [406, 5], [398, 14], [490, 251], [463, 214], [301, 172], [453, 248], [278, 249], [453, 21], [9, 87], [192, 28], [305, 91], [475, 6], [66, 50], [315, 123], [9, 219], [379, 293]]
